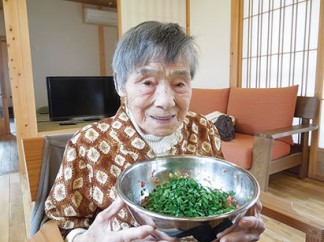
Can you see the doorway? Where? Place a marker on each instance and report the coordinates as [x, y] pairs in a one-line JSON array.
[[8, 146], [7, 121]]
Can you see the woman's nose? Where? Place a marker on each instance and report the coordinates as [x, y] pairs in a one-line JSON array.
[[164, 96]]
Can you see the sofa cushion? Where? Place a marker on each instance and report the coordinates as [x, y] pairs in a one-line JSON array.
[[239, 150], [260, 109], [205, 101]]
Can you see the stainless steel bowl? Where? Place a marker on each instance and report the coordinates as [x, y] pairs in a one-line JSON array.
[[210, 172]]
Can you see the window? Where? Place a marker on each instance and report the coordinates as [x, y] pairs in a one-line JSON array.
[[280, 44]]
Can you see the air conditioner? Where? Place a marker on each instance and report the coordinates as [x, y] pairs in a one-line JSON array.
[[98, 16]]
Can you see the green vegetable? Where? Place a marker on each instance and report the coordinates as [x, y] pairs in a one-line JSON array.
[[185, 197]]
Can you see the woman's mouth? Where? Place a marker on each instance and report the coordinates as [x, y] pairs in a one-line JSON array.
[[163, 118]]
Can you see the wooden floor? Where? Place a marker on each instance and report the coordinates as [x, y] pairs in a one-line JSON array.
[[307, 196], [8, 152], [12, 218]]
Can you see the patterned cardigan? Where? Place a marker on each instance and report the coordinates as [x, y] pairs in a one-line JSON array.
[[97, 154]]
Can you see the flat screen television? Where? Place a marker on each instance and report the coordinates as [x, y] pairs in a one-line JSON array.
[[81, 98]]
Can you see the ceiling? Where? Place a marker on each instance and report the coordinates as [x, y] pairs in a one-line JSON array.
[[100, 3]]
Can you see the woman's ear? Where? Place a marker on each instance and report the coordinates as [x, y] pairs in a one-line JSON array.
[[119, 89]]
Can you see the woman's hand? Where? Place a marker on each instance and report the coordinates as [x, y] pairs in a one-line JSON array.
[[100, 229], [248, 228]]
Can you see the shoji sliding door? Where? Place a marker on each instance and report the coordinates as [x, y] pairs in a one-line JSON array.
[[280, 43]]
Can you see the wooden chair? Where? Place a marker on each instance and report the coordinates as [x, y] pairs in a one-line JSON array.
[[263, 166], [43, 157], [273, 206], [38, 148], [33, 152]]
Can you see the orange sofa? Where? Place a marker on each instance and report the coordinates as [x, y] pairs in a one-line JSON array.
[[254, 110]]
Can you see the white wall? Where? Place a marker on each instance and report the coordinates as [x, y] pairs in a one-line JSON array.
[[62, 44], [210, 24]]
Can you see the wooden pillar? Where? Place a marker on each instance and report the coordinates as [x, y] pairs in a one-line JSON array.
[[102, 51], [188, 17], [20, 66], [236, 43], [119, 19]]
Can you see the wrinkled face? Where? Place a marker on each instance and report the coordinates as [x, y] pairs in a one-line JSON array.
[[158, 96]]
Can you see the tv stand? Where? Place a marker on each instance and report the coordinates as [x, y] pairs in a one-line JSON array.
[[67, 123], [45, 126], [90, 119], [74, 122]]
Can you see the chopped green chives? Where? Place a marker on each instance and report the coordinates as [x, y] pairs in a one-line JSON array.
[[185, 197]]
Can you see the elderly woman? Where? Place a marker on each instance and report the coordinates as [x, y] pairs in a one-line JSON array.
[[154, 64]]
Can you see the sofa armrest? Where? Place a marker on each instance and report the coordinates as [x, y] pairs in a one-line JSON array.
[[282, 210], [262, 150], [287, 131]]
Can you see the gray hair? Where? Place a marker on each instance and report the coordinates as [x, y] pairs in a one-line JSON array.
[[150, 41]]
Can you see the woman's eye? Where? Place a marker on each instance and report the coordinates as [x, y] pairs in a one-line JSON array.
[[181, 84], [148, 82]]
